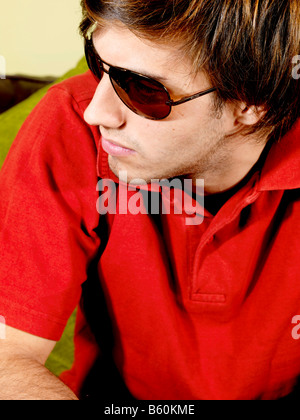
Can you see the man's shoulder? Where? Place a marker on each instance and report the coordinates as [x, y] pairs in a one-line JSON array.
[[80, 87]]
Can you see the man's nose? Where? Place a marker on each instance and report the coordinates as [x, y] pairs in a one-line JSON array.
[[105, 109]]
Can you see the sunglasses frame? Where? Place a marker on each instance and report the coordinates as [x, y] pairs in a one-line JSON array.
[[89, 48]]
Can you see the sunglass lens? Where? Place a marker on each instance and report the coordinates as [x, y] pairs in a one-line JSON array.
[[143, 96], [93, 62]]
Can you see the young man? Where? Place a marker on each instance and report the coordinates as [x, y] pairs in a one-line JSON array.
[[186, 90]]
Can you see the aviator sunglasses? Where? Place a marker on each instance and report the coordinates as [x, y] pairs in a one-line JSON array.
[[143, 95]]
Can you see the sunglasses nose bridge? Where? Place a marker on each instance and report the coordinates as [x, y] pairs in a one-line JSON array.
[[118, 77], [105, 108]]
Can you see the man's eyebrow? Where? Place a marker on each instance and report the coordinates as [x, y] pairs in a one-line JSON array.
[[156, 77]]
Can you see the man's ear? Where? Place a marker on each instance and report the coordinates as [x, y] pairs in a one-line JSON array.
[[248, 115]]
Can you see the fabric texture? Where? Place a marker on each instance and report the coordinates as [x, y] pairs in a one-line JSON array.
[[10, 122], [185, 312]]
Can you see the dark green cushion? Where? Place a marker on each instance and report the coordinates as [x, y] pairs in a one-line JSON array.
[[10, 122]]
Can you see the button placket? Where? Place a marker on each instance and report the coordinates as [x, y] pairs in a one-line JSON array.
[[217, 224]]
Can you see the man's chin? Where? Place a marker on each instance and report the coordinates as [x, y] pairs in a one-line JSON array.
[[126, 175], [138, 176]]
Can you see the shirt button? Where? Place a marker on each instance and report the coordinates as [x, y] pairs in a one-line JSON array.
[[211, 239]]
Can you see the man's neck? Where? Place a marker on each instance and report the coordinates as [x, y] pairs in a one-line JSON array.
[[234, 169]]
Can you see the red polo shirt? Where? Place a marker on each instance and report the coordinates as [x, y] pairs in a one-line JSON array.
[[195, 312]]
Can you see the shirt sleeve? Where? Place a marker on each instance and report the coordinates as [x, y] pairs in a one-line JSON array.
[[48, 216]]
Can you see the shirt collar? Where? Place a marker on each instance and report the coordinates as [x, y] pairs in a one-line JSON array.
[[103, 169], [281, 170]]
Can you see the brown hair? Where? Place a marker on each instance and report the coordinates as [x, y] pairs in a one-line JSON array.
[[246, 47]]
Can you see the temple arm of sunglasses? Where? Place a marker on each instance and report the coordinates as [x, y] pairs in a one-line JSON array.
[[190, 98]]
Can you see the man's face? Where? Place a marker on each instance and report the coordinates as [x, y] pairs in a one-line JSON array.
[[189, 142]]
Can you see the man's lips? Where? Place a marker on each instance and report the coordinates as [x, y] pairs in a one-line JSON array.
[[115, 149]]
